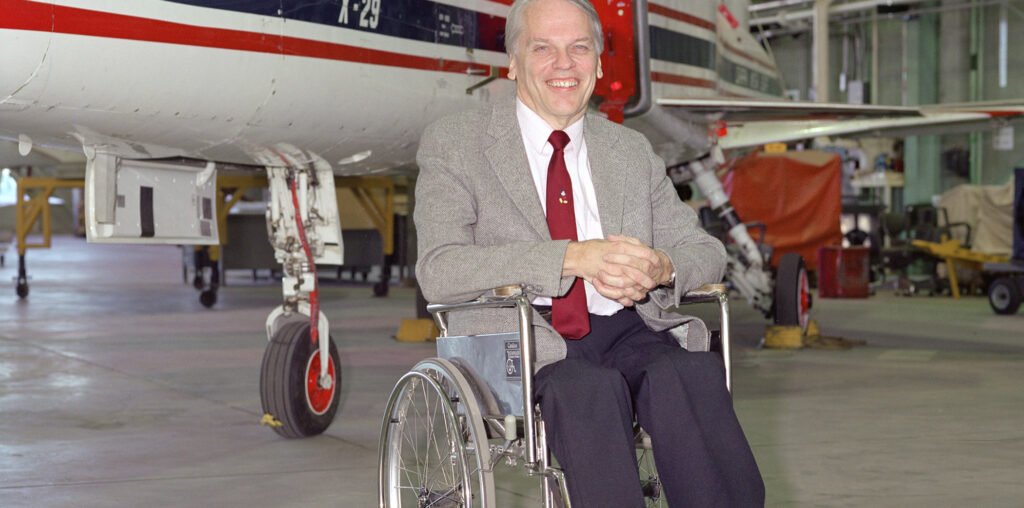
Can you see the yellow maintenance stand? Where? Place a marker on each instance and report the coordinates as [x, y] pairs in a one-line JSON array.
[[953, 253], [30, 210]]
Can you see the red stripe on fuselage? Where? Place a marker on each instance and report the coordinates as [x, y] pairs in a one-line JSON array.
[[22, 15], [680, 16], [33, 16], [676, 79]]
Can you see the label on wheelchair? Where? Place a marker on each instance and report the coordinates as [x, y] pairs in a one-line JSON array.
[[513, 360]]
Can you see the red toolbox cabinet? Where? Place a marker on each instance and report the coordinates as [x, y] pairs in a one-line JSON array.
[[843, 272]]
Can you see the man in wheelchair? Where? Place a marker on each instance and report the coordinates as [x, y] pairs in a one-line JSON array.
[[536, 191]]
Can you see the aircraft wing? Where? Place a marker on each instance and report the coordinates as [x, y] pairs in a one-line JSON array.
[[753, 123]]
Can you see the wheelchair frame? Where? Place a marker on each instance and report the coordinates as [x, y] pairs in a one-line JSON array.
[[460, 411]]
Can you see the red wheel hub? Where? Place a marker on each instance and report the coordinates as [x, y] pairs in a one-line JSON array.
[[319, 398], [805, 298]]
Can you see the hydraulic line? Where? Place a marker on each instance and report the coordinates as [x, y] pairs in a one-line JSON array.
[[314, 295]]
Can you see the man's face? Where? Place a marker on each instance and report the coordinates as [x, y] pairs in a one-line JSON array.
[[556, 64]]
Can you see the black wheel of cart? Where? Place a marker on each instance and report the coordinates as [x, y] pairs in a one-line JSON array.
[[1004, 295]]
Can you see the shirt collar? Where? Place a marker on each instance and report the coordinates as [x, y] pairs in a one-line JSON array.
[[536, 130]]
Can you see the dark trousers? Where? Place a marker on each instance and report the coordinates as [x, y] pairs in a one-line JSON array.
[[622, 368]]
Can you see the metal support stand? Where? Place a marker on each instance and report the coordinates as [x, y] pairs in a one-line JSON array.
[[746, 269], [29, 211]]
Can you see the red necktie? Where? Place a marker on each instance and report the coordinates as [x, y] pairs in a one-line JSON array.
[[569, 313]]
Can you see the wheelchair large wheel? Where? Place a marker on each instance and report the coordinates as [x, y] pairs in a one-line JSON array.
[[650, 482], [433, 444]]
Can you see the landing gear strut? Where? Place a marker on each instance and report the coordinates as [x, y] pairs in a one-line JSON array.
[[300, 379], [785, 297]]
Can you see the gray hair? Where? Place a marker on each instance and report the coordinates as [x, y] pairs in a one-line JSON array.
[[515, 22]]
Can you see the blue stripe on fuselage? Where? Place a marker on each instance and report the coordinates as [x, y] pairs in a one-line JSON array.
[[420, 20], [681, 48], [427, 21]]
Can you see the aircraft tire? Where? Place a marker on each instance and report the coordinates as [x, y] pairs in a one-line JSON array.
[[792, 292], [299, 407], [22, 290], [1004, 296], [380, 289]]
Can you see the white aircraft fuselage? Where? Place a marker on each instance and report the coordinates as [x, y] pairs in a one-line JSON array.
[[353, 82]]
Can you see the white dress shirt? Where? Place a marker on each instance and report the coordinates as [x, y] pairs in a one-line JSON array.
[[535, 132]]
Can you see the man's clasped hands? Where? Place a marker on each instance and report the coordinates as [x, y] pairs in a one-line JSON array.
[[621, 268]]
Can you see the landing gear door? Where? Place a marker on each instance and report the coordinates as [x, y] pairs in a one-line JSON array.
[[132, 201]]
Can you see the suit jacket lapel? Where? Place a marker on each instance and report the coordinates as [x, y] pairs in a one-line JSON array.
[[508, 159], [608, 168]]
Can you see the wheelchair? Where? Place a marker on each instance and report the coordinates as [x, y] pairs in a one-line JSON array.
[[451, 420]]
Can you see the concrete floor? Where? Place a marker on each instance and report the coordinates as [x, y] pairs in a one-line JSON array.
[[118, 389]]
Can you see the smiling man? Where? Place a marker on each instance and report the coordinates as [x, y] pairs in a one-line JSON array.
[[555, 61], [536, 191]]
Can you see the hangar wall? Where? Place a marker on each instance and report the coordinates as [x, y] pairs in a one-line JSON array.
[[936, 49]]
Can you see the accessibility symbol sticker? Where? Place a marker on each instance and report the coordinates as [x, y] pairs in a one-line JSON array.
[[513, 360]]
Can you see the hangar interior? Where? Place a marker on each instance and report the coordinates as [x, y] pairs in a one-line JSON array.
[[119, 388], [912, 53]]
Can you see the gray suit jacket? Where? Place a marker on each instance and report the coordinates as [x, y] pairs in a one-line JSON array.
[[480, 223]]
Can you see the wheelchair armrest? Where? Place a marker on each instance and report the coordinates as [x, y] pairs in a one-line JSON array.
[[510, 290], [704, 294], [716, 293], [504, 296]]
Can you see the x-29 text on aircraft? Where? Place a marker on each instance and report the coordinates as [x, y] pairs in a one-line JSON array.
[[159, 94]]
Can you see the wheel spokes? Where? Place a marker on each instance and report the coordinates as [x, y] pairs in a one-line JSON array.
[[650, 482], [430, 474], [431, 443]]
